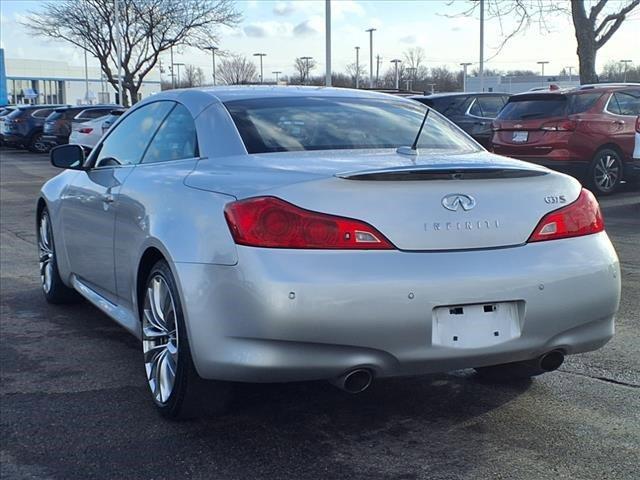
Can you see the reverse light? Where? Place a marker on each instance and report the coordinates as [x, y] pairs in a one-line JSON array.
[[85, 130], [273, 223], [562, 126], [582, 217]]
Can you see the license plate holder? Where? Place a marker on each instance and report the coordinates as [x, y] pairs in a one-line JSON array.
[[520, 137], [476, 325]]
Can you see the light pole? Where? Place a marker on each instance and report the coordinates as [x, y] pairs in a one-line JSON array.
[[542, 64], [626, 63], [464, 75], [357, 67], [213, 61], [327, 78], [370, 30], [411, 71], [173, 74], [569, 68], [306, 74], [481, 72], [86, 74], [277, 73], [260, 55], [396, 61], [179, 65], [116, 20]]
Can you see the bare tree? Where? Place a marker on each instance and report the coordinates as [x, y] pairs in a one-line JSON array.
[[304, 66], [353, 70], [592, 30], [193, 77], [237, 70], [148, 28]]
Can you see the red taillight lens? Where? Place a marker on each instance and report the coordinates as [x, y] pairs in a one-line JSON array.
[[274, 223], [582, 217], [563, 126], [85, 130]]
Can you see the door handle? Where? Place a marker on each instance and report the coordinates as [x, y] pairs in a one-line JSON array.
[[618, 122], [108, 198]]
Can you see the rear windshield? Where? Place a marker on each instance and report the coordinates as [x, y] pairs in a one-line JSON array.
[[325, 123], [92, 113], [528, 107]]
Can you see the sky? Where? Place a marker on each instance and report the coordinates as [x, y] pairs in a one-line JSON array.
[[285, 30]]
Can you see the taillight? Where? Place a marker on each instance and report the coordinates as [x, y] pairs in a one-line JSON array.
[[582, 217], [562, 126], [85, 130], [274, 223]]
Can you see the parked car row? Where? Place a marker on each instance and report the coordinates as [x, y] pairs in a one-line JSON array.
[[591, 132], [41, 127]]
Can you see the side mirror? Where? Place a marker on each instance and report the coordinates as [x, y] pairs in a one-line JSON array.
[[68, 156]]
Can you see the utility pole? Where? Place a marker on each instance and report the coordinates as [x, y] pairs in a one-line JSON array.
[[464, 75], [179, 65], [213, 61], [306, 74], [626, 64], [378, 60], [86, 74], [542, 64], [357, 67], [411, 72], [260, 55], [569, 68], [327, 78], [173, 76], [370, 30], [116, 20], [277, 73], [481, 72], [396, 61]]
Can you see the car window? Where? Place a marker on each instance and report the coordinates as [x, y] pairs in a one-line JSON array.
[[127, 142], [175, 139], [92, 113], [475, 109], [490, 106], [533, 106], [42, 113], [311, 123], [581, 102], [625, 103], [449, 105]]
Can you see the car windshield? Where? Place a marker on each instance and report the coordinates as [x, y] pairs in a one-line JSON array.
[[326, 123], [529, 107]]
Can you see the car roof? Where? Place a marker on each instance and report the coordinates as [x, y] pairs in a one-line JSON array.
[[38, 107], [460, 94]]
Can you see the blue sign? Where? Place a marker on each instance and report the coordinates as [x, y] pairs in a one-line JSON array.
[[4, 98]]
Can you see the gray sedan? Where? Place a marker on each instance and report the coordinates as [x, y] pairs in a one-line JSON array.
[[276, 234]]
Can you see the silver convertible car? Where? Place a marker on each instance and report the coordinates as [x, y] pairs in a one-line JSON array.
[[276, 234]]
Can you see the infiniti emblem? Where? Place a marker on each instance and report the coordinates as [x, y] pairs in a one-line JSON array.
[[454, 201]]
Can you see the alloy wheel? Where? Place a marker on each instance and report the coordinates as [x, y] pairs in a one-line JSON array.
[[160, 339], [46, 253], [606, 173], [39, 145]]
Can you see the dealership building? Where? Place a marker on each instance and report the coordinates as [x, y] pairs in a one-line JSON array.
[[57, 82], [523, 83]]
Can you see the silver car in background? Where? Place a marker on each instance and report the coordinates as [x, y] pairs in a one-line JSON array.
[[276, 234]]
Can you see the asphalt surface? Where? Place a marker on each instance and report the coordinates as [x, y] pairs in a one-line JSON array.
[[74, 402]]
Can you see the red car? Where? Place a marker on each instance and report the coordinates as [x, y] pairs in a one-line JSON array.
[[588, 132]]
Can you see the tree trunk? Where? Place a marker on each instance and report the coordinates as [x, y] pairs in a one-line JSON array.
[[132, 90], [585, 35]]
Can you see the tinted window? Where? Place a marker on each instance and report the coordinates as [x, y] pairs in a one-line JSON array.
[[625, 103], [55, 115], [42, 113], [449, 105], [582, 102], [527, 107], [127, 142], [323, 123], [490, 106], [93, 113], [175, 139]]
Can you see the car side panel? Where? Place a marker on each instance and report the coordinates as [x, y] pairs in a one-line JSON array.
[[157, 210]]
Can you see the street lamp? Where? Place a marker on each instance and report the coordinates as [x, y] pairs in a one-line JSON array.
[[464, 75], [277, 73], [396, 61], [213, 61], [542, 64], [306, 76], [481, 70], [370, 30], [569, 68], [357, 67], [411, 71], [260, 55], [327, 75], [178, 65], [626, 63]]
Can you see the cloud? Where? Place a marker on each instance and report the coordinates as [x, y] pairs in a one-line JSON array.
[[410, 39], [284, 8], [346, 8], [309, 27], [268, 29]]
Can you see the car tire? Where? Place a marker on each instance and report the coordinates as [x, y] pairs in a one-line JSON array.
[[37, 144], [54, 289], [606, 171], [176, 388]]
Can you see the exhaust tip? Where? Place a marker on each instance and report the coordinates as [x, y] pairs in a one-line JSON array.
[[551, 361], [354, 381]]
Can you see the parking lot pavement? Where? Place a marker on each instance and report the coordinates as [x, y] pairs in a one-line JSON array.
[[74, 402]]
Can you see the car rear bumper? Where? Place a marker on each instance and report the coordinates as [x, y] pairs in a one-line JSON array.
[[54, 139], [15, 138], [286, 315]]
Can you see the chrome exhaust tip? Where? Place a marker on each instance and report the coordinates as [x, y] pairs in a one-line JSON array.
[[354, 381]]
